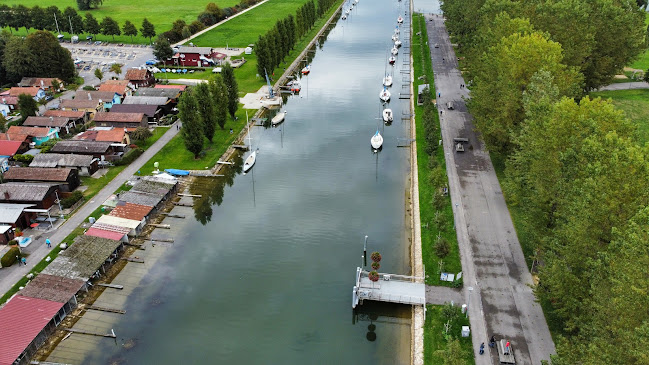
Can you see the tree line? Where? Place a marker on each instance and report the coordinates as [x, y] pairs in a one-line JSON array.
[[206, 106], [277, 43], [69, 21], [574, 166]]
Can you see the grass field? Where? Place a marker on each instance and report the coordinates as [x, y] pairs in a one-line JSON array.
[[255, 22], [433, 222], [435, 338], [162, 13], [635, 103]]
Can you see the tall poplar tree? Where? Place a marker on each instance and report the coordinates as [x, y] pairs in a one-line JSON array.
[[192, 130], [232, 89], [206, 108]]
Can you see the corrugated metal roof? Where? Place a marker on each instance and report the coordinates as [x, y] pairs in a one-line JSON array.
[[30, 131], [150, 100], [83, 258], [148, 110], [54, 288], [46, 122], [131, 211], [203, 51], [95, 95], [111, 235], [65, 113], [21, 320], [140, 198], [118, 221], [112, 228], [60, 159], [22, 191], [9, 213], [153, 187], [119, 117], [37, 174], [150, 91]]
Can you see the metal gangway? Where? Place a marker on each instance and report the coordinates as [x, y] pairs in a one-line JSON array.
[[389, 288]]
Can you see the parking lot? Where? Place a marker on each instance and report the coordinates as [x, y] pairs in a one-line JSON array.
[[89, 56]]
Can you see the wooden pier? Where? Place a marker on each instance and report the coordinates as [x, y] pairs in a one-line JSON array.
[[389, 288]]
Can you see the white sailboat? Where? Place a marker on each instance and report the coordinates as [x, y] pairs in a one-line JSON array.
[[252, 157], [376, 141], [344, 17], [384, 95], [388, 117], [278, 118], [397, 43], [387, 81], [306, 70], [395, 37], [347, 11], [399, 19], [394, 51], [392, 60]]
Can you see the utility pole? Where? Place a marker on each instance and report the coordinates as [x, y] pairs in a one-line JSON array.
[[57, 24]]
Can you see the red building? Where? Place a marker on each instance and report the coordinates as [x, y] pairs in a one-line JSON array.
[[192, 57]]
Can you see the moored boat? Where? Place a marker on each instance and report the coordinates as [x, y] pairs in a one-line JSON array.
[[306, 70], [392, 60], [384, 94], [278, 118], [376, 141], [387, 81], [388, 117]]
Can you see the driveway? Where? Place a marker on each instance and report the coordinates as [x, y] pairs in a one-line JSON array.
[[501, 302]]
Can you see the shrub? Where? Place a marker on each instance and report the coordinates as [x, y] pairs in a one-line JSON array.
[[442, 248], [47, 145], [89, 88], [140, 134], [72, 199], [26, 159], [10, 257], [129, 157]]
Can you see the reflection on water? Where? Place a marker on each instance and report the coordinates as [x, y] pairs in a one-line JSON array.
[[379, 316], [211, 189]]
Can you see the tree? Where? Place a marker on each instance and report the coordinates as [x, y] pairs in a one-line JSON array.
[[196, 26], [147, 30], [88, 4], [506, 70], [27, 105], [110, 27], [20, 17], [219, 92], [140, 134], [192, 131], [129, 29], [56, 85], [99, 74], [38, 18], [71, 18], [116, 68], [233, 89], [206, 108], [162, 49], [18, 60], [46, 46], [215, 10], [91, 25]]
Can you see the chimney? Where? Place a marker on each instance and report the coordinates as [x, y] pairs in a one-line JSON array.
[[89, 96], [42, 84]]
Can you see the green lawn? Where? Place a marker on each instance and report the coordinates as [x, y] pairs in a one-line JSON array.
[[433, 222], [162, 13], [635, 103], [435, 338], [255, 22], [174, 155]]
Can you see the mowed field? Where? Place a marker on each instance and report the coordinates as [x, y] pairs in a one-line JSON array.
[[162, 13], [246, 28]]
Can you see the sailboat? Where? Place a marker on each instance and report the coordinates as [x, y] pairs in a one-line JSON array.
[[252, 157], [399, 19], [376, 141], [387, 80], [384, 95], [347, 11], [395, 37], [388, 117], [395, 51], [397, 43], [344, 17], [396, 30], [306, 70], [278, 118], [392, 60]]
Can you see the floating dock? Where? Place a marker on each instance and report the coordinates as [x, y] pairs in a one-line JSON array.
[[389, 288]]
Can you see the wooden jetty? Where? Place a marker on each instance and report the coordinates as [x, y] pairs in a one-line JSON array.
[[389, 288], [104, 309], [173, 215], [224, 163], [34, 362], [111, 334], [130, 259], [165, 226], [183, 204], [189, 195], [159, 239], [113, 286], [241, 147]]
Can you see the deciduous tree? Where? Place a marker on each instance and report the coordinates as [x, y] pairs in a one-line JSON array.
[[91, 25], [99, 74], [192, 130], [206, 108], [27, 105], [232, 89], [147, 30], [219, 93], [129, 29], [162, 49], [110, 27]]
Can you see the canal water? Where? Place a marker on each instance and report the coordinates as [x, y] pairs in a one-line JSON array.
[[263, 271]]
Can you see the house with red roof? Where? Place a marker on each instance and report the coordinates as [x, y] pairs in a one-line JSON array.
[[44, 83], [68, 178], [121, 120], [78, 116], [8, 104], [139, 77], [25, 324], [35, 134], [11, 148], [115, 135], [35, 92]]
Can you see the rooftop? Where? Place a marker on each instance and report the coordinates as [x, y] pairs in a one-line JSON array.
[[179, 87], [64, 113], [23, 191], [115, 88], [30, 131], [83, 258], [131, 211], [111, 235], [59, 159], [119, 117], [79, 104], [54, 288], [9, 148], [38, 82], [150, 91], [200, 50], [9, 213], [118, 221], [94, 95], [148, 110], [8, 100], [81, 146], [150, 100], [15, 91], [136, 74], [140, 198], [38, 174], [21, 320], [46, 121]]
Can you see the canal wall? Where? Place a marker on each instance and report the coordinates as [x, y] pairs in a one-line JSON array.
[[417, 265]]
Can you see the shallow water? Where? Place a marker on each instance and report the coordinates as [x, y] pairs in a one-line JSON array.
[[263, 271]]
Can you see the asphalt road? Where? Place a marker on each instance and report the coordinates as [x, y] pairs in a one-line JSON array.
[[501, 302], [38, 250]]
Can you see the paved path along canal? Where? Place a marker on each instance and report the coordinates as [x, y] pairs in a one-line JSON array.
[[262, 271], [501, 302]]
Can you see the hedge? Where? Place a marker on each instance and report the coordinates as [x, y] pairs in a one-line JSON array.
[[10, 257], [72, 199], [23, 158], [129, 157]]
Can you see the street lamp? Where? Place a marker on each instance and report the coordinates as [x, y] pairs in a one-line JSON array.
[[468, 302]]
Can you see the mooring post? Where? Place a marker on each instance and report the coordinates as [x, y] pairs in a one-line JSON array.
[[365, 252]]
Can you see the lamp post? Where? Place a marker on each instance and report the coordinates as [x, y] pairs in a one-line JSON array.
[[468, 302]]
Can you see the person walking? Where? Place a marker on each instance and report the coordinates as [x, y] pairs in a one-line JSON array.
[[48, 243], [23, 260]]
